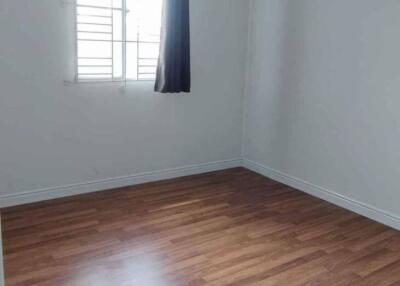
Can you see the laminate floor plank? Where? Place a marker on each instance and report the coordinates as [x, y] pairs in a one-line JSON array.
[[232, 227]]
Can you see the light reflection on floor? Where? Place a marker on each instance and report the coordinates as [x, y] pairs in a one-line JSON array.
[[140, 270]]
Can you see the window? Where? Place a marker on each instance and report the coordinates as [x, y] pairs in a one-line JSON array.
[[117, 40]]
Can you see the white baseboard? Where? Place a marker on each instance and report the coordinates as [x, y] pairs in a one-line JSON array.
[[112, 183], [326, 195]]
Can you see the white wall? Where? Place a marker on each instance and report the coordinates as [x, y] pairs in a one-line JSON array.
[[54, 134], [323, 95]]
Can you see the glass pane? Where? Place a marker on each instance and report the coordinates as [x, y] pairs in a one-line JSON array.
[[147, 70], [148, 62], [100, 26], [117, 70], [94, 70], [152, 38], [117, 3], [95, 77], [94, 28], [94, 11], [94, 62], [94, 36], [94, 20], [132, 20], [101, 3], [148, 50], [117, 25], [91, 49], [149, 15], [131, 61], [147, 77]]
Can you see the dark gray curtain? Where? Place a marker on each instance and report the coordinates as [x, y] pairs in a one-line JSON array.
[[173, 71]]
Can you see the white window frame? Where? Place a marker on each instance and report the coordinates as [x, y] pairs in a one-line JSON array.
[[123, 78]]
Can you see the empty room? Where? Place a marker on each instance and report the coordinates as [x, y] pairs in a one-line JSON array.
[[200, 142]]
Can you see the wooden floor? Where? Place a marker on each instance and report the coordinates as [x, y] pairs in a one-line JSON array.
[[226, 228]]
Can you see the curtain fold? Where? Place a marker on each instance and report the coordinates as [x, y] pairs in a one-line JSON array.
[[173, 70]]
